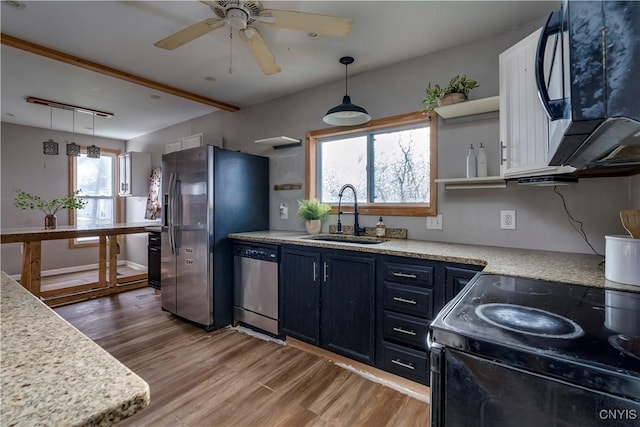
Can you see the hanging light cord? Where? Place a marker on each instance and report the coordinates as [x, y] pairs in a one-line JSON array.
[[93, 129], [230, 42], [577, 225], [51, 118], [346, 87]]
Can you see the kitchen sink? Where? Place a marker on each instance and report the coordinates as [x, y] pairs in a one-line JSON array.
[[364, 240]]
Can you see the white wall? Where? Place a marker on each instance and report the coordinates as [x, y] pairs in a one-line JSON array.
[[470, 216], [25, 167]]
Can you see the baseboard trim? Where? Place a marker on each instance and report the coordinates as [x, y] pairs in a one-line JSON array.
[[403, 385]]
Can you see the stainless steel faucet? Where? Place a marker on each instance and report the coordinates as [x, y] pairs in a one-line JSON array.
[[356, 227]]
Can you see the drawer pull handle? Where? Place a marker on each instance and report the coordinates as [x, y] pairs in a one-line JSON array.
[[404, 365], [409, 276], [404, 331], [404, 300]]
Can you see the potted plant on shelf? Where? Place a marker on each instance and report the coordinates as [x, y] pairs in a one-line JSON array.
[[313, 212], [457, 91], [26, 201]]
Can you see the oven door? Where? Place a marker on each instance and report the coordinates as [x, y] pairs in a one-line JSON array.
[[467, 390]]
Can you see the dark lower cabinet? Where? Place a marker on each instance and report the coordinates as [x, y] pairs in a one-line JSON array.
[[300, 299], [347, 305], [456, 278], [409, 294], [153, 260], [328, 300], [375, 309]]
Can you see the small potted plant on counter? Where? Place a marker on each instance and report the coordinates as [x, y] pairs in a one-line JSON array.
[[313, 212], [457, 91], [26, 201]]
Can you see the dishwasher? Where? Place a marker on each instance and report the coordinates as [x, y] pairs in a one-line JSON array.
[[255, 286]]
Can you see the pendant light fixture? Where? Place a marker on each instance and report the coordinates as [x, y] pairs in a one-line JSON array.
[[346, 114], [73, 149], [50, 147], [93, 152]]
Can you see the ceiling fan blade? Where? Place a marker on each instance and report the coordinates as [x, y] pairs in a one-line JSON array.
[[260, 51], [192, 32], [307, 22]]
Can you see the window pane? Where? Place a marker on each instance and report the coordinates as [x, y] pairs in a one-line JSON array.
[[95, 212], [95, 176], [401, 166], [343, 161]]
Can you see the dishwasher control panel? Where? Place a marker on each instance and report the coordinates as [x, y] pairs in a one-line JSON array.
[[263, 253]]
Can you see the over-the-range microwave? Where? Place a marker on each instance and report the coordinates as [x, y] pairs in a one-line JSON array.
[[588, 78]]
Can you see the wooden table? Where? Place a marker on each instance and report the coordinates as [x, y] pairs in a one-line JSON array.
[[108, 250]]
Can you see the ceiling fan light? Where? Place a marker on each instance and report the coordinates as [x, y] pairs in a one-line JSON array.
[[346, 114]]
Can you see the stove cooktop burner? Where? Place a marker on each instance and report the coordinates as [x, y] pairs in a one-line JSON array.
[[629, 346], [529, 321]]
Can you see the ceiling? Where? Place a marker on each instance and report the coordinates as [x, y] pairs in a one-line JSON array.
[[120, 35]]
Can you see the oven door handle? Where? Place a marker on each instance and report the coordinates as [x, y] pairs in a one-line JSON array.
[[554, 108]]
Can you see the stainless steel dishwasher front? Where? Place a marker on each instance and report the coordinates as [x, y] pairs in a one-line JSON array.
[[255, 283]]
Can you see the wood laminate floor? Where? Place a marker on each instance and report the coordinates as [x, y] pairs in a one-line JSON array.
[[228, 378]]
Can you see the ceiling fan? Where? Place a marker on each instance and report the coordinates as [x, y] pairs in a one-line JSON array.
[[243, 15]]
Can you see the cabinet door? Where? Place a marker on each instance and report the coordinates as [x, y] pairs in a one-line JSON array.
[[523, 122], [457, 278], [123, 173], [300, 301], [348, 305]]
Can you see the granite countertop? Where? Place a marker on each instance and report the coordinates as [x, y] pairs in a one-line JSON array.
[[582, 269], [52, 374]]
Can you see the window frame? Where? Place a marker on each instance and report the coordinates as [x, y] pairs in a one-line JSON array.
[[73, 243], [388, 209]]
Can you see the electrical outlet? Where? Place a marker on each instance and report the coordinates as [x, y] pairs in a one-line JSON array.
[[284, 212], [508, 220], [434, 222]]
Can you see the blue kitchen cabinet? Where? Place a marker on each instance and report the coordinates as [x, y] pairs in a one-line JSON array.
[[328, 300]]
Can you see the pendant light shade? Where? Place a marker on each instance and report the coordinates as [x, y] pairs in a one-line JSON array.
[[346, 114]]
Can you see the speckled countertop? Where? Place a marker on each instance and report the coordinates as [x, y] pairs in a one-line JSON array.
[[53, 375], [583, 269]]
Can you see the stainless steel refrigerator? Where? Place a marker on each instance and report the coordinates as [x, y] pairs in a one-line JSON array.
[[208, 192]]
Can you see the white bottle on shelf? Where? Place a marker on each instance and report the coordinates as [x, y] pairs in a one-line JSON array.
[[471, 163], [481, 168]]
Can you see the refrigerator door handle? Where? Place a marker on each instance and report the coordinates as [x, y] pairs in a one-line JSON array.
[[178, 215], [170, 213]]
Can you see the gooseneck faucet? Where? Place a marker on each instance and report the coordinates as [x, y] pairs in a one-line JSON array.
[[356, 227]]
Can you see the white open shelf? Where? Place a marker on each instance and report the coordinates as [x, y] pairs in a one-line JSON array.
[[468, 108], [277, 141], [473, 183]]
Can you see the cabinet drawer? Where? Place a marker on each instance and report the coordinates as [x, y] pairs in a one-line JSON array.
[[406, 329], [154, 239], [404, 299], [408, 363], [409, 274]]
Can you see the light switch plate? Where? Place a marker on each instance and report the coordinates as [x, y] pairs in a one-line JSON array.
[[434, 222], [508, 220]]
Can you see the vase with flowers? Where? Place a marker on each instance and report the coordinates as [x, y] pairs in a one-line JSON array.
[[27, 201]]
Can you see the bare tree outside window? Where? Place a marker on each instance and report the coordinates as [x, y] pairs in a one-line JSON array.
[[400, 167]]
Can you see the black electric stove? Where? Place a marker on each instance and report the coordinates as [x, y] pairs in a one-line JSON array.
[[521, 343]]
